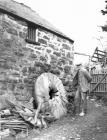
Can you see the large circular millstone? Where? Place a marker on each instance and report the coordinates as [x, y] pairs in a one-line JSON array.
[[49, 88]]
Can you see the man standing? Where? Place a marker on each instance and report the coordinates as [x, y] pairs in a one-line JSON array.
[[84, 79]]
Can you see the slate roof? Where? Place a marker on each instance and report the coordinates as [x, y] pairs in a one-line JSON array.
[[25, 12]]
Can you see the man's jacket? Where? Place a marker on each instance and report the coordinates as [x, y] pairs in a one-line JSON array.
[[84, 79]]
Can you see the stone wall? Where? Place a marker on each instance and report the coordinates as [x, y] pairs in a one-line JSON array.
[[21, 63]]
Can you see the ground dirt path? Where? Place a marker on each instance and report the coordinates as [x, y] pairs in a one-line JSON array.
[[93, 126]]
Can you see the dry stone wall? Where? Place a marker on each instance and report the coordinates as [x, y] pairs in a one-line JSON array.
[[21, 63]]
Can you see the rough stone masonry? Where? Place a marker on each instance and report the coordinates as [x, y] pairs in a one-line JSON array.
[[21, 62]]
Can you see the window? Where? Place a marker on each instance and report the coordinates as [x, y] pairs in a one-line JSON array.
[[32, 35]]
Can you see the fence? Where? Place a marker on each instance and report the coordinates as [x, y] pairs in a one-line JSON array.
[[99, 83]]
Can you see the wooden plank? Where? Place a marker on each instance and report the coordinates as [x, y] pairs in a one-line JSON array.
[[101, 83], [101, 51], [99, 54], [97, 57], [100, 92], [93, 60]]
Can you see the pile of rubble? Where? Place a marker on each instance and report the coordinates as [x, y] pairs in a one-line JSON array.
[[19, 119], [12, 122]]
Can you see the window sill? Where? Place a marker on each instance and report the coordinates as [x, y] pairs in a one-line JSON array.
[[32, 42]]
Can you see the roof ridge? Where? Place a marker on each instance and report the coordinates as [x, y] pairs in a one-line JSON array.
[[25, 6], [21, 4]]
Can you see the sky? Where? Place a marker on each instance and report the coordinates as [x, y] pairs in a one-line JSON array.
[[78, 19]]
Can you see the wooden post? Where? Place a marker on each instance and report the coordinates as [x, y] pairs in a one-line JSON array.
[[0, 127]]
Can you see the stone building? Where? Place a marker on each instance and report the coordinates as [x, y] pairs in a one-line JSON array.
[[29, 46]]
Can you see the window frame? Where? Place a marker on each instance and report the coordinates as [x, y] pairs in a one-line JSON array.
[[32, 37]]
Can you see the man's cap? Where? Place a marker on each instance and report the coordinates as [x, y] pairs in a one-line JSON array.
[[79, 64]]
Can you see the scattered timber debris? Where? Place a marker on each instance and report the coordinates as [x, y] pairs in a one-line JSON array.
[[19, 119], [12, 123]]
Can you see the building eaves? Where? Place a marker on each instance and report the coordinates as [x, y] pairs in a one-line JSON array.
[[29, 15]]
